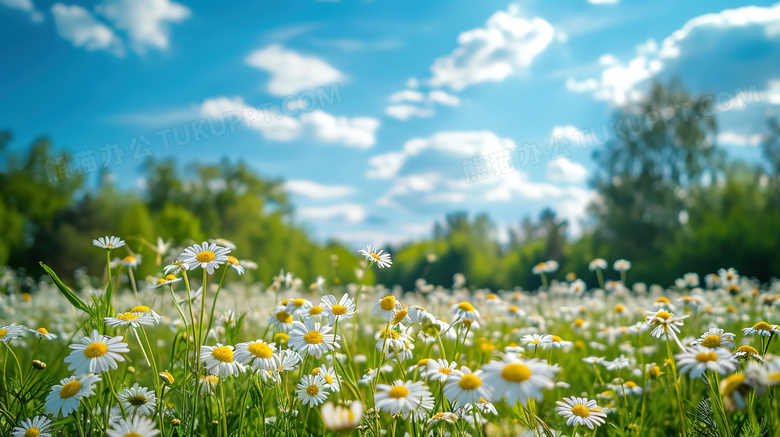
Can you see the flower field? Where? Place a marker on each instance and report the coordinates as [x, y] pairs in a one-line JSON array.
[[196, 351]]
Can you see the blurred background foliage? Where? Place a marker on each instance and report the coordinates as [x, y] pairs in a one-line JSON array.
[[668, 200]]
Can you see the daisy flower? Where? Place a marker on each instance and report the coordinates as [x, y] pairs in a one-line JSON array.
[[138, 400], [281, 320], [597, 264], [691, 279], [39, 426], [342, 309], [219, 360], [136, 426], [465, 311], [12, 331], [532, 341], [715, 338], [287, 360], [43, 332], [405, 398], [440, 370], [311, 390], [380, 257], [108, 243], [698, 360], [208, 256], [665, 323], [622, 265], [297, 307], [761, 328], [65, 397], [174, 268], [332, 381], [223, 242], [145, 311], [131, 261], [554, 342], [746, 352], [167, 280], [581, 411], [96, 354], [464, 387], [337, 418], [577, 287], [207, 384], [386, 308], [311, 338], [257, 353], [517, 380], [135, 321], [235, 264]]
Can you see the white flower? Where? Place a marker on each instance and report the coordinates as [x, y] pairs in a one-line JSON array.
[[465, 311], [618, 363], [622, 265], [405, 398], [597, 264], [136, 426], [207, 384], [129, 319], [39, 426], [281, 320], [138, 400], [208, 256], [517, 380], [378, 256], [43, 332], [761, 328], [131, 261], [340, 310], [554, 342], [332, 380], [223, 242], [12, 331], [532, 341], [65, 397], [96, 354], [581, 411], [578, 287], [386, 308], [440, 370], [341, 419], [665, 323], [464, 387], [257, 353], [311, 390], [715, 338], [691, 279], [698, 360], [235, 264], [219, 360], [108, 243], [312, 338]]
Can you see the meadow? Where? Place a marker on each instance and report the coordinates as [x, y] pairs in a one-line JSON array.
[[195, 351]]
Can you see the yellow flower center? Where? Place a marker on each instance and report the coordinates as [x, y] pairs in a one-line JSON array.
[[731, 383], [399, 316], [579, 323], [389, 334], [95, 350], [375, 256], [387, 303], [513, 309], [312, 390], [299, 302], [557, 339], [704, 357], [338, 310], [260, 350], [42, 331], [662, 300], [169, 278], [580, 410], [144, 308], [223, 354], [398, 392], [516, 372], [315, 310], [127, 317], [133, 434], [232, 260], [664, 315], [129, 258], [619, 308], [205, 256], [32, 432], [284, 317], [748, 349], [329, 379], [137, 400], [762, 326], [445, 371], [469, 382], [161, 281], [630, 384], [465, 306], [711, 341], [281, 337], [313, 337], [70, 389]]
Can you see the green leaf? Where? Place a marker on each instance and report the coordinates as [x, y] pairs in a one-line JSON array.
[[69, 294]]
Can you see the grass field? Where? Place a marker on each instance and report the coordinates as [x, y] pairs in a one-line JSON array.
[[110, 354]]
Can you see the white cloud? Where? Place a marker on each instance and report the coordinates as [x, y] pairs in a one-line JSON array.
[[347, 212], [445, 197], [292, 72], [357, 132], [507, 44], [314, 190], [352, 132], [566, 171], [465, 143], [773, 92], [603, 2], [145, 21], [702, 37], [24, 6], [732, 138], [413, 103], [80, 27]]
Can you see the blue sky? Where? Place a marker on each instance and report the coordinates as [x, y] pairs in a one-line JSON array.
[[413, 89]]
